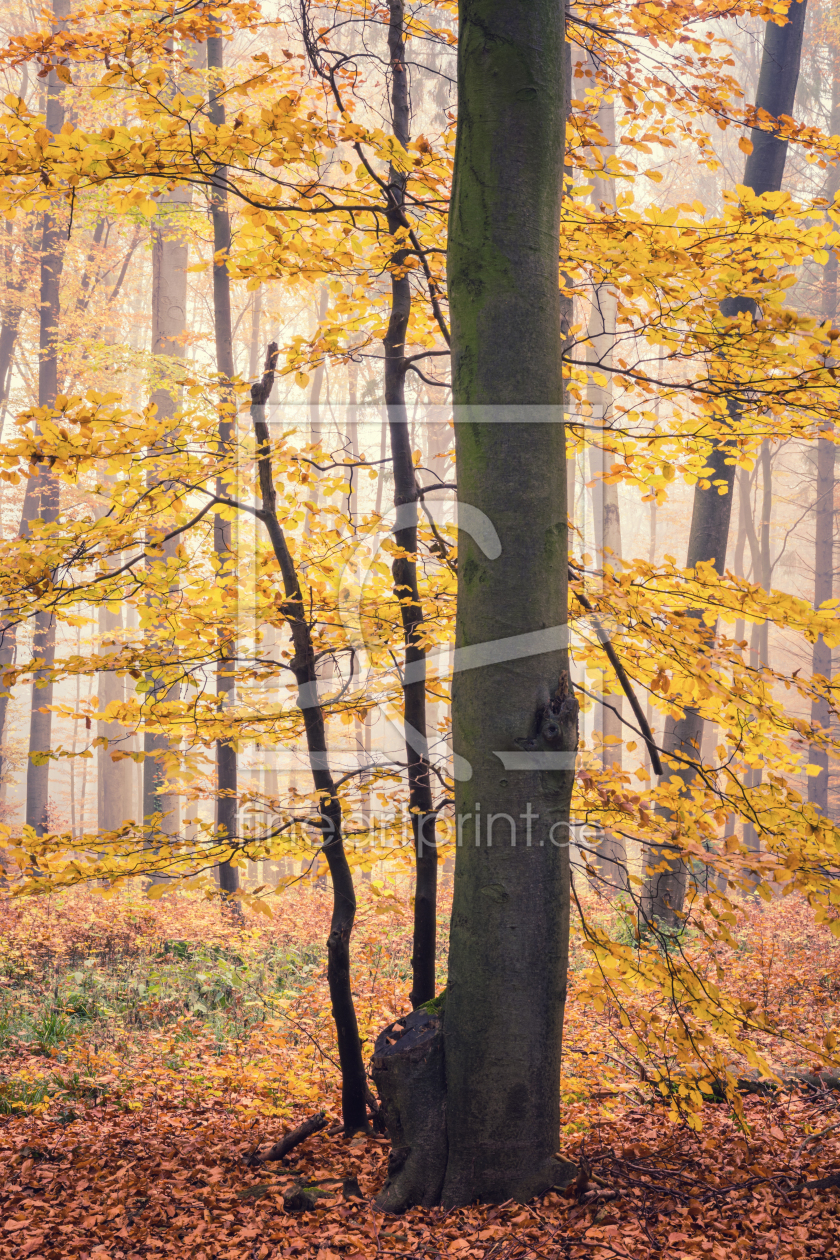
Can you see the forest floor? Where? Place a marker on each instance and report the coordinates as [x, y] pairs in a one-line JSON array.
[[147, 1048]]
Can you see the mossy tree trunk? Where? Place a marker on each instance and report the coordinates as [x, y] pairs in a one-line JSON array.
[[509, 934], [503, 1016]]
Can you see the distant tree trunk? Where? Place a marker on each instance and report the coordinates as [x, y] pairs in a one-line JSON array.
[[824, 509], [43, 637], [85, 770], [317, 386], [611, 855], [15, 283], [113, 781], [759, 639], [404, 568], [255, 344], [353, 1081], [667, 873], [503, 1017], [226, 761], [744, 519], [567, 288], [8, 628], [170, 256], [73, 745]]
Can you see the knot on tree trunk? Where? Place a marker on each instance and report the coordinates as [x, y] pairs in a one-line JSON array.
[[409, 1074]]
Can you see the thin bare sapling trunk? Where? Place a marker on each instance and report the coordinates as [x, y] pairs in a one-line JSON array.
[[353, 1084], [423, 819]]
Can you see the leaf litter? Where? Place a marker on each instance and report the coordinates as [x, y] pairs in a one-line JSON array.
[[132, 1137]]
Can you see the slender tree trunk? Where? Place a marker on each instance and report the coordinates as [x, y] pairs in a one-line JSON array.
[[760, 633], [15, 288], [611, 855], [509, 932], [43, 638], [353, 1083], [113, 777], [226, 761], [256, 337], [744, 518], [405, 567], [170, 256], [667, 873], [567, 288], [363, 731], [824, 511], [318, 377], [73, 745], [8, 629], [83, 792]]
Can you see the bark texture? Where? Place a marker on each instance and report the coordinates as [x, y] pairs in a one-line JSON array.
[[509, 932], [667, 874], [409, 1073]]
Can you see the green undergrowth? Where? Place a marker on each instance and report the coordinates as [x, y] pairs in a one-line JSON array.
[[101, 1001]]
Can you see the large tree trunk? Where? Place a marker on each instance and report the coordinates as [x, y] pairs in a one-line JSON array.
[[667, 873], [503, 1017], [824, 509], [47, 488], [405, 567], [170, 256], [226, 764]]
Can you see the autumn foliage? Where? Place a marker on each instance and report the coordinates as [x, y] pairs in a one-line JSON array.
[[156, 1034]]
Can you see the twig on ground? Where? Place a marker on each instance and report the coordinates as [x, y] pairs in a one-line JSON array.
[[280, 1149], [815, 1137]]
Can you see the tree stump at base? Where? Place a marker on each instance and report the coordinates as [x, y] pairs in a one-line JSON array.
[[408, 1070]]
